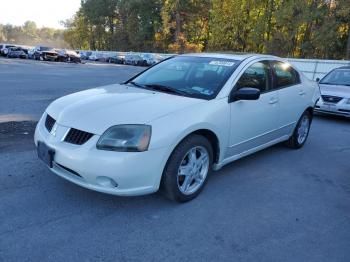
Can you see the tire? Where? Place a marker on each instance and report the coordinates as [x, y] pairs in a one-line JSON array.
[[301, 131], [185, 185]]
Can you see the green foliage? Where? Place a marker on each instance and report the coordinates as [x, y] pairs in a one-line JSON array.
[[29, 34], [288, 28], [293, 28]]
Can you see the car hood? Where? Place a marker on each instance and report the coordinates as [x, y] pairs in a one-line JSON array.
[[97, 109], [335, 90]]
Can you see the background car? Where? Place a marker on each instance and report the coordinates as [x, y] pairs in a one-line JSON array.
[[335, 92], [117, 59], [17, 52], [65, 55], [4, 49], [31, 52], [135, 59], [45, 53], [84, 55], [96, 56], [150, 59]]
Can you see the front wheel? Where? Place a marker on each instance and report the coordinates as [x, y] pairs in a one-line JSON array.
[[187, 169], [301, 131]]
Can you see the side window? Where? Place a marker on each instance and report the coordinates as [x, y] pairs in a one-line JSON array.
[[285, 75], [256, 76]]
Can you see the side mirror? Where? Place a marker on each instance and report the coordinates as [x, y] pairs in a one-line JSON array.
[[317, 80], [245, 93]]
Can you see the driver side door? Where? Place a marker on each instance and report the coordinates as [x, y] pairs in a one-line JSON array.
[[254, 122]]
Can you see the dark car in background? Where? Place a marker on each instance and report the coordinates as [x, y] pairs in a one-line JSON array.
[[17, 52], [45, 53], [117, 59], [65, 55]]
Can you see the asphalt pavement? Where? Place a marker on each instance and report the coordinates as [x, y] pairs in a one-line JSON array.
[[276, 205]]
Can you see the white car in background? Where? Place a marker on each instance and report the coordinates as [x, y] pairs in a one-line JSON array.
[[151, 59], [174, 123], [135, 59], [4, 49], [335, 92]]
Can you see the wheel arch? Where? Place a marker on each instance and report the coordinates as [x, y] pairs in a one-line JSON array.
[[310, 110], [210, 135]]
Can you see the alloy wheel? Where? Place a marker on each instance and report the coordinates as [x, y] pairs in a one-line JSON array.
[[303, 129], [193, 170]]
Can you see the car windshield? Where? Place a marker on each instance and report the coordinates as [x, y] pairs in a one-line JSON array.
[[337, 77], [45, 48], [199, 77]]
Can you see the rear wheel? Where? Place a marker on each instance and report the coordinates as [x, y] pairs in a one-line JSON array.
[[301, 131], [188, 168]]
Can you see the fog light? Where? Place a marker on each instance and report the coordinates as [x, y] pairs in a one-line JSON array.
[[106, 181]]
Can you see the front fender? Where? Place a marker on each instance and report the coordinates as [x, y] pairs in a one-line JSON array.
[[170, 130]]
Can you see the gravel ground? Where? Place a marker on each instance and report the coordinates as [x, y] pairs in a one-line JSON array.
[[276, 205]]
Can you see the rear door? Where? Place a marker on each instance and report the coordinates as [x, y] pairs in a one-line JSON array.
[[253, 123], [292, 95]]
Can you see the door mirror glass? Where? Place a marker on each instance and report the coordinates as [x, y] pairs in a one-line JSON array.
[[245, 93]]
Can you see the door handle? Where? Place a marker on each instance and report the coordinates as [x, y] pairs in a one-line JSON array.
[[273, 101], [302, 92]]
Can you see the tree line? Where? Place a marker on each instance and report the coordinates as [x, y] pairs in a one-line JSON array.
[[29, 34], [288, 28]]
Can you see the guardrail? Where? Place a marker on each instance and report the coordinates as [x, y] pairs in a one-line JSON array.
[[316, 68]]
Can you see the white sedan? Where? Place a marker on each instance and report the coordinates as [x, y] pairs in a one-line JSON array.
[[335, 93], [170, 126]]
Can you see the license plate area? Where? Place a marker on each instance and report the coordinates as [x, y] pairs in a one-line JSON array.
[[329, 107], [46, 154]]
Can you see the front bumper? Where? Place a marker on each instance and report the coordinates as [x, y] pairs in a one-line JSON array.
[[135, 173], [341, 108], [50, 57]]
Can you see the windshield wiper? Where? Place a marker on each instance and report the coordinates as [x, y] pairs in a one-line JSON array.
[[166, 89], [135, 84]]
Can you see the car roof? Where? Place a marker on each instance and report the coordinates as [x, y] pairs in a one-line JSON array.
[[235, 56], [342, 67]]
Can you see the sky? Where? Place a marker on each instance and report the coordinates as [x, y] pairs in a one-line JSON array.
[[45, 13]]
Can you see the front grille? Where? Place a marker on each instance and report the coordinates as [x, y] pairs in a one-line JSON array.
[[77, 137], [331, 99], [49, 122]]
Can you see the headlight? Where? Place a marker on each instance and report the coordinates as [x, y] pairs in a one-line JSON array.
[[348, 102], [125, 138]]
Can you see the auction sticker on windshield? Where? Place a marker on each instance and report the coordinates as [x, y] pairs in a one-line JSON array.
[[221, 63]]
